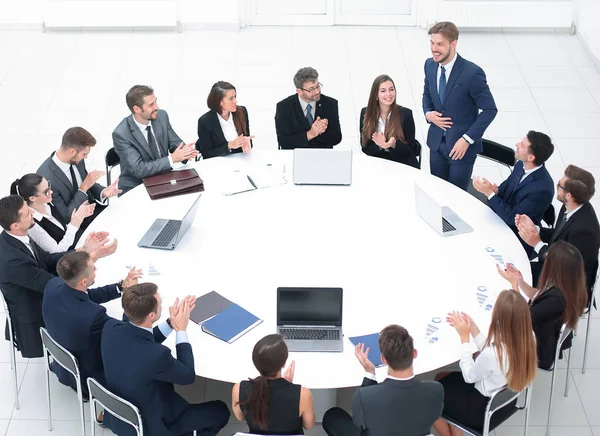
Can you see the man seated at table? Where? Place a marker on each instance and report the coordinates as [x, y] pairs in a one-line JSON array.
[[145, 141], [400, 405], [25, 269], [307, 119], [141, 370], [74, 316], [529, 189]]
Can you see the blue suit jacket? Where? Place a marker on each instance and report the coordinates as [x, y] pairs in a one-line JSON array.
[[141, 370], [466, 93], [75, 320]]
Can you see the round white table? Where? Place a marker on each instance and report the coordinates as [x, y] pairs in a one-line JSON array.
[[365, 238]]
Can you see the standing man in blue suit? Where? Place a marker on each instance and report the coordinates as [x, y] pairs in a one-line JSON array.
[[141, 370], [74, 316], [455, 92], [529, 189]]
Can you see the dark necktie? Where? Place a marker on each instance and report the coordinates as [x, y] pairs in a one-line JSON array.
[[309, 116], [152, 144], [73, 180], [442, 87], [560, 224]]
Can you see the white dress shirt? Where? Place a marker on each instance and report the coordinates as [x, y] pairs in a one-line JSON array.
[[24, 240], [44, 240], [142, 128], [568, 216], [372, 377], [484, 372], [228, 128], [65, 168], [381, 123], [304, 105], [164, 327]]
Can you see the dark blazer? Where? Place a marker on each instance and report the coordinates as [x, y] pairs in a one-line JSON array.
[[211, 141], [292, 125], [583, 231], [23, 278], [531, 198], [62, 189], [75, 320], [466, 93], [141, 370], [403, 153], [546, 315], [397, 407], [137, 160]]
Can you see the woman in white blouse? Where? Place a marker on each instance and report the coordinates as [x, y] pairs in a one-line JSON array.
[[225, 128], [506, 357], [51, 231]]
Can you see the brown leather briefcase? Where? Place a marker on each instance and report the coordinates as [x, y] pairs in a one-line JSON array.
[[173, 183]]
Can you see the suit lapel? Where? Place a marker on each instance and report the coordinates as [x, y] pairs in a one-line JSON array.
[[18, 244], [158, 134], [432, 78], [563, 211], [60, 175], [217, 128], [299, 112], [139, 137], [530, 178], [456, 70]]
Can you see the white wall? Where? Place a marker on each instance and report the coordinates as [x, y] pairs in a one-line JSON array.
[[587, 13]]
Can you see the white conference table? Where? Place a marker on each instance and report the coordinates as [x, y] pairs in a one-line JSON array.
[[365, 238]]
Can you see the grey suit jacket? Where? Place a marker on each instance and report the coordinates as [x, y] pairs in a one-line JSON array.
[[62, 189], [137, 160]]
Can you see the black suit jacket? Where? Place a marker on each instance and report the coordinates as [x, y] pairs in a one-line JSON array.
[[211, 141], [583, 231], [547, 312], [23, 278], [75, 320], [397, 407], [292, 125], [141, 370], [403, 152]]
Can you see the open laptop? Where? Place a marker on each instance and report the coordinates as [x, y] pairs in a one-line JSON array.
[[314, 166], [441, 218], [310, 319], [166, 234]]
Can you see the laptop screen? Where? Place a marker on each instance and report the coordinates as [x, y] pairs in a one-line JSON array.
[[322, 167], [309, 306], [188, 219]]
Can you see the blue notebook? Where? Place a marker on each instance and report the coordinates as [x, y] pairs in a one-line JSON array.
[[371, 342], [230, 324]]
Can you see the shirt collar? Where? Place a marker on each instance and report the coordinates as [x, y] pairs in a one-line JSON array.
[[23, 239], [401, 379], [223, 120], [64, 167], [570, 214], [140, 125], [303, 104], [531, 170], [143, 328], [39, 216], [449, 65]]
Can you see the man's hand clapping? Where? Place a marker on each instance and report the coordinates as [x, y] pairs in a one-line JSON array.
[[527, 230], [179, 312], [184, 152], [318, 127], [132, 278], [97, 246]]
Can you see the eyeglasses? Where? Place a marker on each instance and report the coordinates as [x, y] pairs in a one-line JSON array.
[[313, 89], [558, 185], [46, 191]]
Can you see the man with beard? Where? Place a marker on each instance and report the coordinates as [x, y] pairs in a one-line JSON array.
[[145, 141], [307, 119], [576, 223], [25, 269], [455, 92], [71, 183]]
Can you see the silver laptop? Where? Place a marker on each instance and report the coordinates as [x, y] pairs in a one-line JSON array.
[[441, 218], [314, 166], [166, 234], [310, 319]]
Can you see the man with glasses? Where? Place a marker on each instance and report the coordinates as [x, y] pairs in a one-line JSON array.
[[307, 119], [577, 223]]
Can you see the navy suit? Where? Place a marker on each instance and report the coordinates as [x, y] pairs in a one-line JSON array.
[[467, 93], [75, 320], [141, 370], [530, 197]]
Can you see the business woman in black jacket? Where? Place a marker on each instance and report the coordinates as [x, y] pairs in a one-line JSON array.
[[560, 297], [225, 128], [387, 130]]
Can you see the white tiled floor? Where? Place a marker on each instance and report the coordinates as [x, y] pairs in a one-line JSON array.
[[52, 81]]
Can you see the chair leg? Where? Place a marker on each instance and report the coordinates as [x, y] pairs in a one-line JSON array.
[[47, 364], [550, 403], [587, 337], [568, 372], [92, 417], [13, 367], [80, 398], [527, 403]]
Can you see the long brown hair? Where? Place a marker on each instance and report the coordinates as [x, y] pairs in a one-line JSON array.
[[393, 126], [269, 355], [511, 335], [216, 94], [563, 269]]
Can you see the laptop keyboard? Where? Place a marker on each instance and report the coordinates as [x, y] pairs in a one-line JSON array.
[[310, 334], [446, 226], [166, 234]]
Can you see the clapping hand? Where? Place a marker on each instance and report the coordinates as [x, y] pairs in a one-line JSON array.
[[112, 190], [363, 357], [527, 230], [461, 323], [289, 372], [179, 312], [82, 212], [512, 275], [184, 152], [97, 246], [132, 278], [484, 186]]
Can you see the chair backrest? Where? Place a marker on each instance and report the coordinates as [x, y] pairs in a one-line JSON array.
[[112, 160], [8, 320], [418, 152], [549, 216], [4, 306], [115, 405], [253, 434], [60, 354], [497, 152], [565, 332], [502, 398]]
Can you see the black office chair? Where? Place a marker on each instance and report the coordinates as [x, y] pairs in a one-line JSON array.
[[495, 152], [549, 216], [112, 160], [12, 347], [499, 400], [115, 405], [418, 152]]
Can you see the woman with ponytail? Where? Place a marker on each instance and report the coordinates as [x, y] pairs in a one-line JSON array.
[[52, 232], [507, 358], [271, 403]]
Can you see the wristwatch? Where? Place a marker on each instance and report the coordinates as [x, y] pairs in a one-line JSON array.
[[169, 322], [119, 286]]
